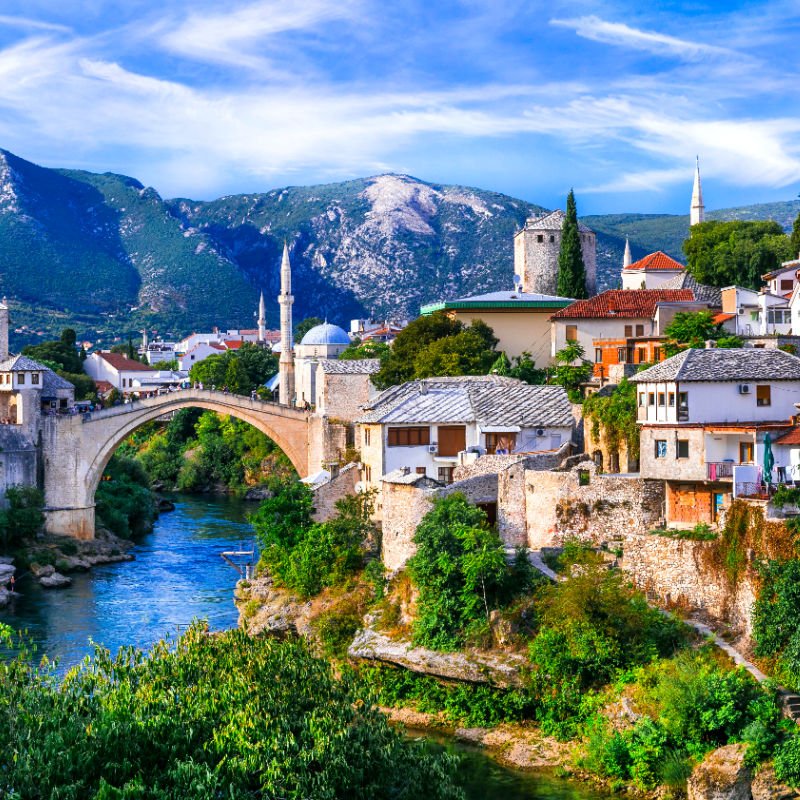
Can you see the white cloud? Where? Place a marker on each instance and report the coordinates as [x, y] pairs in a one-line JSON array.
[[622, 35], [32, 24]]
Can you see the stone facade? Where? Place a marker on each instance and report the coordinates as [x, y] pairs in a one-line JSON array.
[[341, 396], [581, 504], [404, 505], [536, 249], [339, 486]]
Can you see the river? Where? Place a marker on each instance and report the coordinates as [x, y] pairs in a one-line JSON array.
[[178, 576]]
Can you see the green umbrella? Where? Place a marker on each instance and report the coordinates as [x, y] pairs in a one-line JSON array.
[[769, 460]]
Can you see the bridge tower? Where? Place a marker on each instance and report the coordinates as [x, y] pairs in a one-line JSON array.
[[286, 364]]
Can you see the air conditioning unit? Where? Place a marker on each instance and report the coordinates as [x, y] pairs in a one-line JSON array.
[[540, 431], [432, 448], [740, 311], [744, 388]]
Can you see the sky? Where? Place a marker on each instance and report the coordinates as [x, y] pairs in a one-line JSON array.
[[528, 98]]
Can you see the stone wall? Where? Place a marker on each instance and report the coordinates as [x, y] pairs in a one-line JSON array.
[[404, 505], [326, 495], [559, 508], [19, 460], [671, 571], [327, 443], [342, 395]]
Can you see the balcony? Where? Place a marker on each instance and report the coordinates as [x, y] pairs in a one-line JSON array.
[[719, 470]]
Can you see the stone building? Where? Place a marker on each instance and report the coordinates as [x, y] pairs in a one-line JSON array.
[[536, 249]]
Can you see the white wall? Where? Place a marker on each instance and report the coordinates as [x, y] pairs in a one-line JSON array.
[[647, 279]]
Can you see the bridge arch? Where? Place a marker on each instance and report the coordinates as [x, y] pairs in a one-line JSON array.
[[91, 442]]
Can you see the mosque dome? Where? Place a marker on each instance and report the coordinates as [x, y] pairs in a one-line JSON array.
[[326, 334]]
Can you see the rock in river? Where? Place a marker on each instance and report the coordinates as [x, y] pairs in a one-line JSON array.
[[55, 581]]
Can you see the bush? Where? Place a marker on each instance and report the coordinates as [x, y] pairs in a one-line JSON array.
[[23, 518], [123, 500], [461, 573], [211, 716]]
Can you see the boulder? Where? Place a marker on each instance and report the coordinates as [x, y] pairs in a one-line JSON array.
[[42, 570], [6, 571], [165, 505], [258, 493], [6, 559], [722, 775], [503, 670], [55, 581], [766, 787]]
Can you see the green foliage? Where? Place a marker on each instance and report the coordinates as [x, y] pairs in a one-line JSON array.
[[61, 352], [23, 518], [335, 630], [239, 371], [735, 253], [571, 269], [85, 388], [124, 502], [461, 573], [569, 374], [786, 496], [227, 715], [794, 239], [524, 369], [615, 414], [787, 760], [693, 329], [304, 326], [305, 556], [461, 703], [593, 627], [370, 349]]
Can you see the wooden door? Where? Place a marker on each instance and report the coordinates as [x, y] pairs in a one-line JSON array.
[[452, 439]]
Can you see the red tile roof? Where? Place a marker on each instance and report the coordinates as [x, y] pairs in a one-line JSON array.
[[121, 363], [656, 261], [103, 386], [233, 344], [793, 437], [624, 303], [718, 318]]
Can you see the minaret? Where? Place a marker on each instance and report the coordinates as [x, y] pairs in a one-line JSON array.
[[626, 259], [286, 363], [4, 330], [698, 212], [262, 320]]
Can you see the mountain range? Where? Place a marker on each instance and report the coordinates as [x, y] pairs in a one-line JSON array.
[[109, 256]]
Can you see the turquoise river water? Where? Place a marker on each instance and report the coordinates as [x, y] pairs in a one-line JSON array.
[[178, 575]]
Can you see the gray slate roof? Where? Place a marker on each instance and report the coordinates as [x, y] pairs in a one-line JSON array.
[[408, 478], [705, 294], [52, 383], [485, 399], [356, 366], [509, 296], [717, 364], [552, 222], [21, 364]]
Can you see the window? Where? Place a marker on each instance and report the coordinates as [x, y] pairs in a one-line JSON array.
[[779, 316], [662, 400], [641, 399], [598, 355], [629, 330], [641, 355], [683, 401], [640, 330], [452, 439], [500, 442], [622, 355], [656, 354], [446, 474], [572, 333], [787, 285], [368, 473], [21, 378], [671, 399], [552, 237], [584, 477], [408, 437], [746, 453], [366, 437], [540, 237], [661, 448], [682, 449], [35, 378], [651, 398], [763, 395], [420, 470]]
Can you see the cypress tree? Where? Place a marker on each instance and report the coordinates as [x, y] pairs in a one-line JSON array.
[[795, 238], [571, 269]]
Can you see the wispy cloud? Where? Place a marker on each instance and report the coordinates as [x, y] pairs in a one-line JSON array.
[[32, 24], [622, 35]]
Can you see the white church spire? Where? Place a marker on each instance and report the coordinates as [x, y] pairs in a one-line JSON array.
[[698, 211], [286, 363], [626, 259]]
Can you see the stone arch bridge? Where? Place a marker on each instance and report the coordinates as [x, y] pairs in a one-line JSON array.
[[76, 449]]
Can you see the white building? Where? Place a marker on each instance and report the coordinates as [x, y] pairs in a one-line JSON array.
[[424, 425], [324, 341], [651, 272], [746, 312], [199, 352], [128, 376], [703, 413]]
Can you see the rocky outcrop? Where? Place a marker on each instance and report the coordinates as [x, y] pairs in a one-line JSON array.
[[765, 786], [55, 581], [722, 775], [266, 608], [497, 669]]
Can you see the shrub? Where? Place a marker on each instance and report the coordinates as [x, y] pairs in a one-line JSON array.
[[23, 518], [209, 717], [123, 499]]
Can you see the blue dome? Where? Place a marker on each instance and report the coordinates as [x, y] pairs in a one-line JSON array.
[[326, 334]]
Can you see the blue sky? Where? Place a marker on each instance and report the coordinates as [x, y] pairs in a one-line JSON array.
[[528, 98]]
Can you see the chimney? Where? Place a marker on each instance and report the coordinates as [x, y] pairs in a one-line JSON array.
[[710, 344], [405, 470]]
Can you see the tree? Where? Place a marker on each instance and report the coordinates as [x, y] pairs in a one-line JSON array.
[[571, 269], [241, 370], [569, 374], [794, 239], [736, 252], [357, 350], [469, 352], [304, 326], [23, 518], [417, 335], [60, 352], [525, 369], [693, 329], [69, 337]]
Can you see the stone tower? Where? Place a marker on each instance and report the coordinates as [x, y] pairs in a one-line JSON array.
[[3, 330], [286, 363], [536, 249], [262, 320], [698, 210]]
